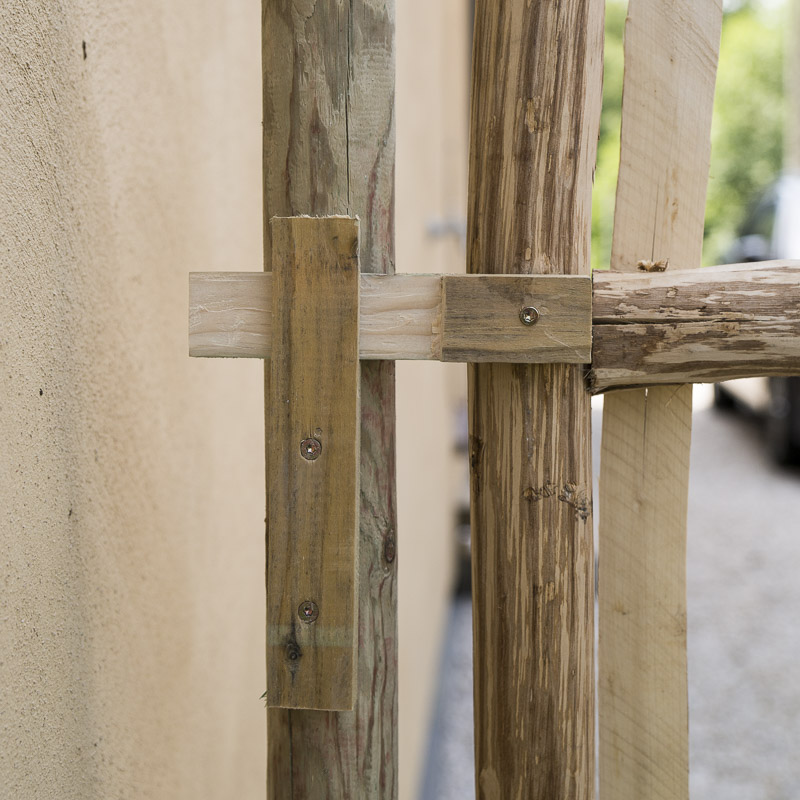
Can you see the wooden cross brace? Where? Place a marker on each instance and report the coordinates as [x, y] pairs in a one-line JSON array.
[[315, 317]]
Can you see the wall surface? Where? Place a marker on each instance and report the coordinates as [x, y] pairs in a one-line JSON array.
[[131, 477], [432, 130]]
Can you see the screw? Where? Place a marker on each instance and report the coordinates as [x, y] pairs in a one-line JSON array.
[[308, 611], [529, 315], [310, 449]]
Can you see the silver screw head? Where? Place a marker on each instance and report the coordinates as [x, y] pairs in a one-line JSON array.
[[308, 611], [310, 449], [529, 315]]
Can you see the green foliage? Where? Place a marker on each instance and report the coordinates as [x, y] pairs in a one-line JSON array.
[[749, 115], [747, 131], [605, 176]]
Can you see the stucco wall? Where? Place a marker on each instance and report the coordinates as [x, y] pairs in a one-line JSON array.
[[131, 477]]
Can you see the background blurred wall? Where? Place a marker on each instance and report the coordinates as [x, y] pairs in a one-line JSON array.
[[131, 477], [433, 52]]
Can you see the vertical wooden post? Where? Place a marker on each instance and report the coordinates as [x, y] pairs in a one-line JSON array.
[[329, 149], [671, 52], [536, 85]]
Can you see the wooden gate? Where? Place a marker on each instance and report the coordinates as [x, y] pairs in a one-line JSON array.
[[540, 337]]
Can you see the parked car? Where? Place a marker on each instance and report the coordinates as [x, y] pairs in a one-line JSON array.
[[772, 230]]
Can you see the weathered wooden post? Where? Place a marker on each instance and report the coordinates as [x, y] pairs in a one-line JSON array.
[[536, 91], [671, 52], [329, 149]]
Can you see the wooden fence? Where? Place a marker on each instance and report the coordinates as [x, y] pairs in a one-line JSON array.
[[328, 151]]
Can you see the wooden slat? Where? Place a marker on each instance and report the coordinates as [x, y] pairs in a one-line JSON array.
[[313, 500], [403, 317], [481, 319], [329, 138], [707, 325], [535, 110], [671, 54]]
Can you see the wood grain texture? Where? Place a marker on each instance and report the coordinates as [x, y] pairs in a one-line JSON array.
[[329, 149], [695, 326], [481, 319], [403, 317], [534, 119], [671, 52], [312, 560]]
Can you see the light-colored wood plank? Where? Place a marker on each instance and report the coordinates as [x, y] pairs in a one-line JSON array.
[[481, 319], [329, 138], [313, 480], [671, 54], [707, 325], [401, 317], [536, 89]]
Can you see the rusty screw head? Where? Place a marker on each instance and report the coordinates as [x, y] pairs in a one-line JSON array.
[[308, 611], [529, 315], [310, 449]]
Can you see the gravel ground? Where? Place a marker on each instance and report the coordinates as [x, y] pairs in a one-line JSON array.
[[744, 628]]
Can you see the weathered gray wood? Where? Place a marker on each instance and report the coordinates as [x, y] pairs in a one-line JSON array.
[[535, 106], [406, 317], [481, 319], [314, 420], [670, 66], [694, 326], [329, 149]]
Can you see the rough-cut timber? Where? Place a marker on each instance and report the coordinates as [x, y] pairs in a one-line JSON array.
[[671, 54], [329, 149], [695, 326], [314, 419], [534, 119], [482, 318], [448, 318]]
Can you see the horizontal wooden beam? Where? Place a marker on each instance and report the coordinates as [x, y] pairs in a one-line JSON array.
[[695, 326], [448, 318], [679, 326]]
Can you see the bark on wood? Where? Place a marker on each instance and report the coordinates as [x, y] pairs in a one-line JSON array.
[[314, 418], [329, 149], [670, 64], [535, 107], [707, 325]]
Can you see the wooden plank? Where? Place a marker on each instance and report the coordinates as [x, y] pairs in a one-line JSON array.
[[536, 79], [313, 480], [482, 318], [401, 317], [329, 149], [708, 325], [671, 54]]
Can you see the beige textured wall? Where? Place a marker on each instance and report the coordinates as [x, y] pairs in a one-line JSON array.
[[432, 133], [131, 478]]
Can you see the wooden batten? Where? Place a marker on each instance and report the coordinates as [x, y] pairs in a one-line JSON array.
[[312, 551], [695, 326], [679, 326], [472, 318]]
